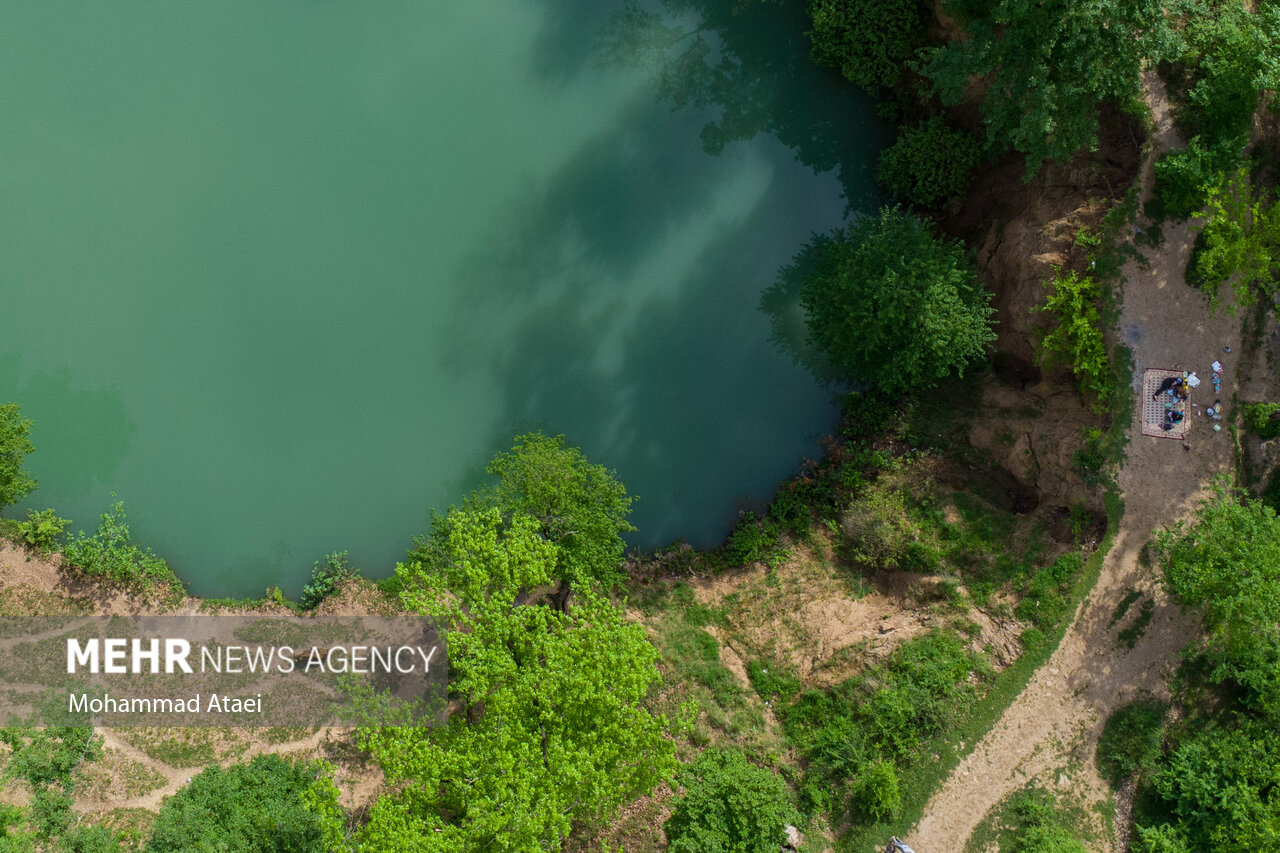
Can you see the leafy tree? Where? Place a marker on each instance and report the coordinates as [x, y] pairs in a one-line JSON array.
[[1263, 419], [1077, 338], [1241, 241], [729, 806], [1221, 785], [269, 805], [15, 443], [1184, 178], [1048, 64], [892, 305], [929, 163], [547, 726], [869, 41], [1228, 562], [581, 508]]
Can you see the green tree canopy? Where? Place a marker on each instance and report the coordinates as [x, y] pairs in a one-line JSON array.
[[729, 806], [869, 41], [1228, 562], [580, 507], [547, 725], [892, 305], [930, 163], [1048, 64], [269, 805], [15, 443], [577, 506]]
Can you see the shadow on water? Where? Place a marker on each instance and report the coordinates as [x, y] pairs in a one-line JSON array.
[[91, 422], [749, 62], [662, 370]]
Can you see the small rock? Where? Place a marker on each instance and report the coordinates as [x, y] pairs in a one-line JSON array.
[[794, 838]]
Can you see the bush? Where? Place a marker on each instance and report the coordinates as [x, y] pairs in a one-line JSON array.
[[264, 806], [1077, 339], [1263, 419], [754, 541], [43, 530], [1183, 177], [15, 484], [327, 578], [877, 794], [929, 163], [110, 553], [1130, 740], [729, 806]]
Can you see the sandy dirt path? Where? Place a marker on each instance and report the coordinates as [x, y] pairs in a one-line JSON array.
[[1054, 723]]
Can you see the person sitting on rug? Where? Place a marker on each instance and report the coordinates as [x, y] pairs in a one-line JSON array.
[[1173, 416], [1166, 385]]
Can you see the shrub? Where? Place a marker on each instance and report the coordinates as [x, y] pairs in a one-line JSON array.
[[267, 805], [1183, 177], [754, 541], [729, 806], [327, 578], [15, 483], [43, 530], [1130, 740], [1077, 338], [930, 163], [877, 793], [110, 553], [1241, 241], [1263, 419]]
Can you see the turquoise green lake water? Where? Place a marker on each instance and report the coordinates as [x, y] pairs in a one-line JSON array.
[[283, 276]]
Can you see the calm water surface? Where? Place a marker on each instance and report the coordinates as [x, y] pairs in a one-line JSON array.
[[284, 276]]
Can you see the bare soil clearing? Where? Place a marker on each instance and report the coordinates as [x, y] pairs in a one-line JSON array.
[[1055, 722]]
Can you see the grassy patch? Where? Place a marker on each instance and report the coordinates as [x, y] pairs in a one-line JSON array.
[[185, 747], [1033, 820]]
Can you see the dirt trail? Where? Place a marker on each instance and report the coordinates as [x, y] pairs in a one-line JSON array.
[[1055, 721]]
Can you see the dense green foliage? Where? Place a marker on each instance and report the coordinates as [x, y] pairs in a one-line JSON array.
[[327, 578], [729, 806], [579, 507], [1130, 740], [1263, 419], [1225, 61], [929, 163], [869, 41], [1077, 338], [1228, 562], [549, 726], [15, 443], [892, 305], [1241, 241], [111, 553], [269, 805], [857, 733], [1050, 64], [46, 759], [43, 530], [1216, 786]]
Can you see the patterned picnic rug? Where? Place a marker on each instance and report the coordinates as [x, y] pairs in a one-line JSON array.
[[1153, 410]]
